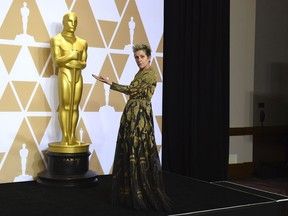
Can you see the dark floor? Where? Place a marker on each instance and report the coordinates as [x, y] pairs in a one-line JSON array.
[[190, 197], [278, 185]]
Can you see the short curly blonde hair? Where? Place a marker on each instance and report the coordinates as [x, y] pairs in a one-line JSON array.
[[143, 47]]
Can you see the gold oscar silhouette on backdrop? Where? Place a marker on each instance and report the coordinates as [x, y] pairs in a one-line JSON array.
[[68, 159]]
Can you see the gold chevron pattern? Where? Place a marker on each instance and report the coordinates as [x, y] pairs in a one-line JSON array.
[[28, 83]]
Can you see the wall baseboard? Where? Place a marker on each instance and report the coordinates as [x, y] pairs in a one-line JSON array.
[[260, 130], [240, 170]]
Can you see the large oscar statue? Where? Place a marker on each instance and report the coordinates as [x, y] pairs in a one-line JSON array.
[[68, 159]]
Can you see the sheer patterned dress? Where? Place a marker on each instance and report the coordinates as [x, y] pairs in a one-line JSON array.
[[137, 177]]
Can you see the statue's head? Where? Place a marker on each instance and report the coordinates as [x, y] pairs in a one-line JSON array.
[[70, 22]]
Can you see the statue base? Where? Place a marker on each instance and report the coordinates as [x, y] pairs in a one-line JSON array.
[[68, 169], [89, 178], [68, 148]]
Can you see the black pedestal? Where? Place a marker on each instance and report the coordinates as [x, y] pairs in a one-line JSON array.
[[68, 169]]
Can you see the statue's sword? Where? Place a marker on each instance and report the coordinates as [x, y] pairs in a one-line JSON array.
[[72, 96]]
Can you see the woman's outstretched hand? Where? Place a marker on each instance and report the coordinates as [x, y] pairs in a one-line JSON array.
[[102, 79]]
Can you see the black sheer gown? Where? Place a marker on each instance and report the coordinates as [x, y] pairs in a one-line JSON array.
[[137, 174]]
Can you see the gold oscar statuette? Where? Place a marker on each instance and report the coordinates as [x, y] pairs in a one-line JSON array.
[[69, 55]]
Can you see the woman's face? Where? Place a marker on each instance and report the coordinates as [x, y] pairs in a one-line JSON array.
[[142, 59]]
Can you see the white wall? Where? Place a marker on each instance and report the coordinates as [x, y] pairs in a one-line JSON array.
[[242, 44], [258, 69], [271, 62]]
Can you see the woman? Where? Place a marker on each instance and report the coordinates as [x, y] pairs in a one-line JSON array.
[[137, 175]]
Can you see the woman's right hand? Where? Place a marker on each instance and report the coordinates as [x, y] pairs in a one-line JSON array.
[[102, 79]]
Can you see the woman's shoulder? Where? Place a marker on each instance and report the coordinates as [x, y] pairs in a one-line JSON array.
[[151, 73]]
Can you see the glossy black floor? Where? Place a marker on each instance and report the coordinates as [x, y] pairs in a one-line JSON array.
[[190, 197], [278, 185]]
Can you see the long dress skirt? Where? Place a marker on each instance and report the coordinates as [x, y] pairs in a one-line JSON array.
[[137, 176]]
